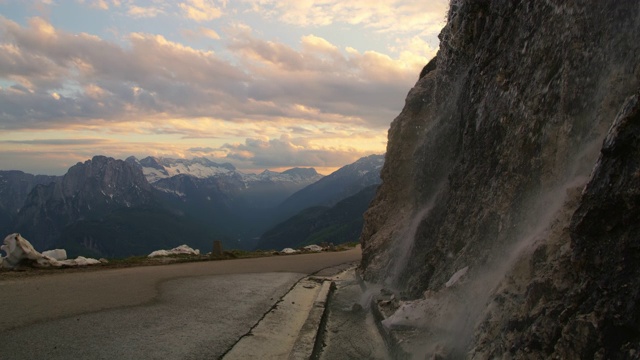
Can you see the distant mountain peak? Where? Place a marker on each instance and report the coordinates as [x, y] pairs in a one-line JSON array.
[[157, 168], [302, 172], [344, 182]]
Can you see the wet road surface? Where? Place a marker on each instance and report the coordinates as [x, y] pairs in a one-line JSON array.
[[180, 311]]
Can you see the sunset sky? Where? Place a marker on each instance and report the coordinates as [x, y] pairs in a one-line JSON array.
[[262, 84]]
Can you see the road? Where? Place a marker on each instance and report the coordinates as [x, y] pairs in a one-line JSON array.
[[180, 311]]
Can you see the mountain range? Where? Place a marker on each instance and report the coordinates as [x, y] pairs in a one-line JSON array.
[[337, 224], [114, 208]]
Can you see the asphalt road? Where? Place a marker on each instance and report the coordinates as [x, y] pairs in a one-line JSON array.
[[180, 311]]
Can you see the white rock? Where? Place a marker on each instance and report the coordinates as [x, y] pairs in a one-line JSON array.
[[83, 261], [314, 248], [58, 254], [289, 251], [455, 277], [182, 249], [18, 249], [159, 253]]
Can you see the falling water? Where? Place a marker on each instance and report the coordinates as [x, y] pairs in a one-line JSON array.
[[404, 243], [450, 314]]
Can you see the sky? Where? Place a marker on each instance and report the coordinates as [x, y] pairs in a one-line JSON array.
[[261, 84]]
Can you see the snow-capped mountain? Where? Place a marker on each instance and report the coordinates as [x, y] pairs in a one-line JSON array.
[[156, 169], [227, 200], [294, 175], [110, 207]]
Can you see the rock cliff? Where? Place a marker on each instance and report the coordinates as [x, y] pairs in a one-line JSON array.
[[486, 169], [15, 186], [88, 190]]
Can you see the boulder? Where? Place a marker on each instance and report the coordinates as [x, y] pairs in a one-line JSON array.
[[20, 251], [58, 254], [288, 251], [313, 248], [182, 249]]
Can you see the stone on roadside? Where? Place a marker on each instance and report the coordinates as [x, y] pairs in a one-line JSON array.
[[313, 248], [58, 254]]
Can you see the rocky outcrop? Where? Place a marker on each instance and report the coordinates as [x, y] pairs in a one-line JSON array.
[[15, 186], [88, 190], [576, 296], [484, 169]]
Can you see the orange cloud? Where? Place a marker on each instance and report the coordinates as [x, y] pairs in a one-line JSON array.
[[200, 10]]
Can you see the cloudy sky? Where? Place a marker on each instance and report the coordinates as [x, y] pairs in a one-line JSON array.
[[262, 84]]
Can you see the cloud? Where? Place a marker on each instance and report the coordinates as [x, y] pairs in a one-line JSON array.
[[58, 142], [201, 150], [201, 32], [67, 78], [80, 76], [362, 87], [97, 4], [44, 161], [100, 4], [143, 12], [287, 151], [396, 16], [315, 44], [210, 33], [201, 10], [333, 103]]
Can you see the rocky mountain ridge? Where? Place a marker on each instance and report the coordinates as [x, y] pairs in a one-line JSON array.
[[344, 182], [88, 190], [337, 224], [107, 207], [155, 169], [15, 186], [485, 172]]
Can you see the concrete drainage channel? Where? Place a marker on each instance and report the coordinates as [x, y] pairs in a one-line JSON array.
[[325, 316], [292, 328], [309, 342]]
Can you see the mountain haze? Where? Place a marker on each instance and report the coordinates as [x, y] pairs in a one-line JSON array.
[[344, 182], [337, 224]]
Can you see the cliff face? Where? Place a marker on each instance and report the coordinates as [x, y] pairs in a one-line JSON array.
[[88, 190], [15, 186], [484, 169]]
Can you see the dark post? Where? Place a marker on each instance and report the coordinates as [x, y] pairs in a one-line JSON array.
[[217, 248]]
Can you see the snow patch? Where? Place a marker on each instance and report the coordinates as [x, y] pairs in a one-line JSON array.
[[58, 254], [18, 250], [194, 169], [313, 248], [182, 249]]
